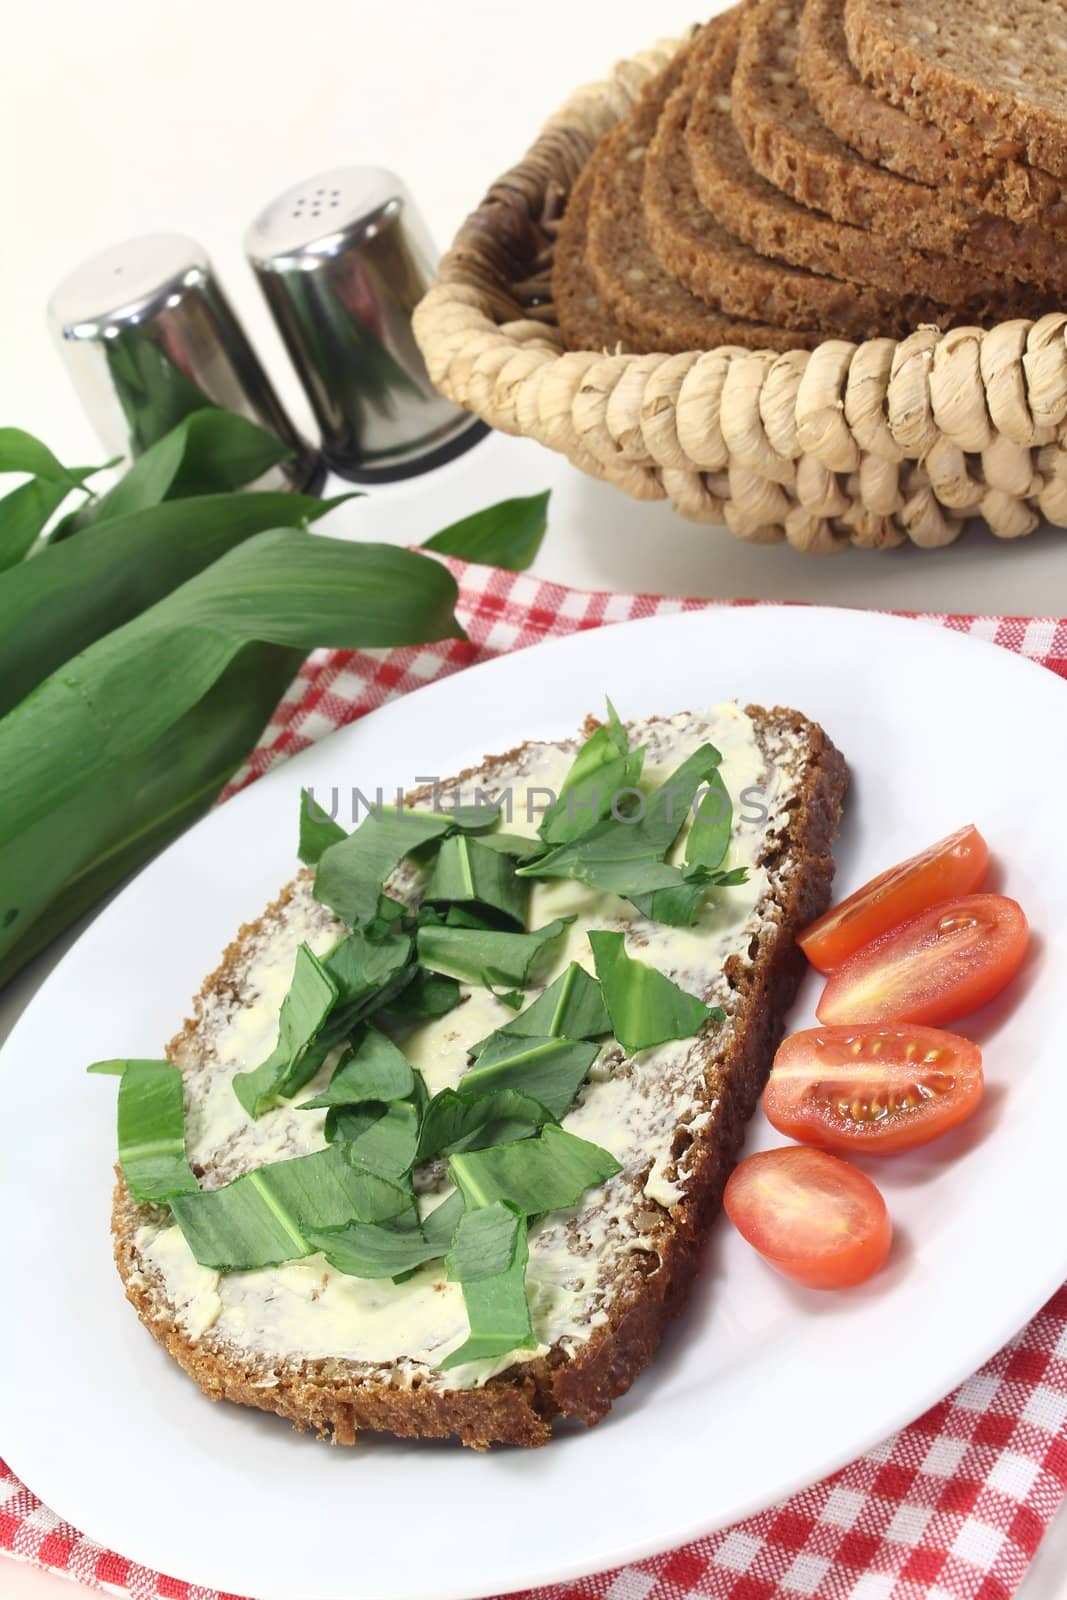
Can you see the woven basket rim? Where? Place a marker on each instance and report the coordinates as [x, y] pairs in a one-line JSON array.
[[872, 443]]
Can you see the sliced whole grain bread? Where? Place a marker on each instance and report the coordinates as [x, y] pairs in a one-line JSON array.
[[583, 318], [712, 263], [885, 134], [789, 144], [991, 71], [699, 181], [295, 1340], [652, 307]]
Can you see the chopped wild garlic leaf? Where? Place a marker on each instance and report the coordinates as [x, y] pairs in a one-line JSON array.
[[391, 1248], [351, 872], [572, 1006], [151, 1121], [645, 1007], [262, 1218], [455, 1121], [548, 1070], [374, 1070], [467, 873], [384, 1138], [549, 1173], [318, 830], [312, 996], [488, 1259], [484, 955]]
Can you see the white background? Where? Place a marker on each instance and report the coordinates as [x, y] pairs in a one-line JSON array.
[[122, 118]]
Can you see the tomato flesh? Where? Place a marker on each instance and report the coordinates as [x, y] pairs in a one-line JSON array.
[[872, 1090], [953, 866], [947, 961], [813, 1217]]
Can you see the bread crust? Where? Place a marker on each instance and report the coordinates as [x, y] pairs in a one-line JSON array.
[[520, 1406], [794, 150], [916, 60], [887, 135]]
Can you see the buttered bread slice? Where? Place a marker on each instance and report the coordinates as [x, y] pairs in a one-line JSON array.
[[337, 1352]]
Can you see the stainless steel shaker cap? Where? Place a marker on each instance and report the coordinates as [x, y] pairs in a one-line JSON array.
[[343, 260], [148, 336]]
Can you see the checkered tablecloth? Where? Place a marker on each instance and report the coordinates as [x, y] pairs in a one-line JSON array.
[[952, 1507]]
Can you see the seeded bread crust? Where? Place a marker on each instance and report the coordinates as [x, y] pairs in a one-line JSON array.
[[985, 71], [653, 308], [787, 143], [726, 183], [584, 320], [519, 1406], [885, 134]]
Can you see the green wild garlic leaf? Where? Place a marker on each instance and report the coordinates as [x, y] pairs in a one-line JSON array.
[[548, 1070], [24, 452], [374, 1070], [23, 514], [488, 1259], [455, 1121], [678, 906], [638, 844], [383, 1138], [211, 451], [511, 844], [318, 830], [424, 997], [262, 1218], [351, 872], [549, 1173], [151, 1124], [392, 1248], [311, 997], [713, 820], [572, 1007], [485, 956], [369, 972], [505, 535], [64, 748], [467, 873], [645, 1007], [73, 593], [603, 768]]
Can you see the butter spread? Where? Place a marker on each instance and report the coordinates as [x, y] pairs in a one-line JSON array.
[[634, 1107]]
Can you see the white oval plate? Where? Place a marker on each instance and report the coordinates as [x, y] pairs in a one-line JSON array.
[[761, 1387]]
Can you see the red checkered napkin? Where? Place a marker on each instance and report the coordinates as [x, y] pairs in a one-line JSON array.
[[953, 1507]]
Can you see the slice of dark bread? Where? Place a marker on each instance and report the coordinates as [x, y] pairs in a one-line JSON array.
[[883, 133], [923, 288], [291, 1340], [583, 318], [823, 274], [694, 244], [987, 71], [656, 311], [788, 144]]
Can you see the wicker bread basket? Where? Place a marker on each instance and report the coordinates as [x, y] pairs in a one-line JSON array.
[[871, 444]]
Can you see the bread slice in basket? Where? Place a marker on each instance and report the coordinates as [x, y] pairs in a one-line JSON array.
[[340, 1354]]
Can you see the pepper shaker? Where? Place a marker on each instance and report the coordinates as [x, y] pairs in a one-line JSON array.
[[343, 260]]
